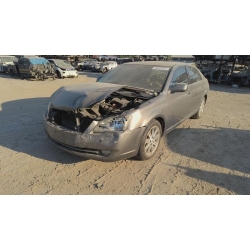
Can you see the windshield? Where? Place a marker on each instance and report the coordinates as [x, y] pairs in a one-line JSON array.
[[62, 63], [140, 76]]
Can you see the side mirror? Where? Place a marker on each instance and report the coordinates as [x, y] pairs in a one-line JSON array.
[[179, 87]]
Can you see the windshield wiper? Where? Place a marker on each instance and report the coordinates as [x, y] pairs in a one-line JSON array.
[[136, 92]]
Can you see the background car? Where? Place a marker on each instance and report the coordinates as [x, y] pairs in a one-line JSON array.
[[5, 61], [87, 63], [126, 112], [32, 67], [92, 64], [63, 68], [97, 67], [108, 65]]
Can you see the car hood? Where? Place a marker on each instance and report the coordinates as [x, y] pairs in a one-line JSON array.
[[66, 67], [82, 95]]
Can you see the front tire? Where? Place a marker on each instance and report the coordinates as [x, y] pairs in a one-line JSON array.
[[58, 74], [150, 141]]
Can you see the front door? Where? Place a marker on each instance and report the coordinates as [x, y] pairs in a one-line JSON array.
[[177, 102]]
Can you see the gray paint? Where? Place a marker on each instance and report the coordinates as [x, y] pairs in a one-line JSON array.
[[172, 107]]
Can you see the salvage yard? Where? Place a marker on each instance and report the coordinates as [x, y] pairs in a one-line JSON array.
[[210, 155]]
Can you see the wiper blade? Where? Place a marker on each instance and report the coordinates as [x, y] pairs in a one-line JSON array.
[[141, 93], [137, 88]]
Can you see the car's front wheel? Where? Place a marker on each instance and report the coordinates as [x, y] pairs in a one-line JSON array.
[[58, 74], [150, 141]]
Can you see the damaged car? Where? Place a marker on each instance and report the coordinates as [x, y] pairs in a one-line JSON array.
[[35, 67], [63, 68], [127, 111]]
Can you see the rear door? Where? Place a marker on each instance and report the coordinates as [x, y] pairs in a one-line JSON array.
[[20, 66], [26, 66], [195, 89]]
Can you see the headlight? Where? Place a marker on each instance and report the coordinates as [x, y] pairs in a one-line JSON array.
[[112, 124]]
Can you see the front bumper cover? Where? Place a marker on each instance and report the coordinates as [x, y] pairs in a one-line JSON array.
[[121, 144]]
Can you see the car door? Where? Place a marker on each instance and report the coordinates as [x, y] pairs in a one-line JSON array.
[[26, 67], [20, 66], [195, 89], [177, 102]]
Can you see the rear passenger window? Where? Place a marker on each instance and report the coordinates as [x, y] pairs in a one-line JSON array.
[[194, 75], [180, 76]]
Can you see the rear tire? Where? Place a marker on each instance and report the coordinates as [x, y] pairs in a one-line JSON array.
[[200, 110], [150, 141]]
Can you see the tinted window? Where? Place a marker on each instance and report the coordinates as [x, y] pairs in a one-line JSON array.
[[194, 75], [180, 76]]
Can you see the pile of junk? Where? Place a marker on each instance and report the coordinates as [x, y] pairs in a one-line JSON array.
[[231, 71]]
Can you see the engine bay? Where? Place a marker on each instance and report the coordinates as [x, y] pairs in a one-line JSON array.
[[114, 104]]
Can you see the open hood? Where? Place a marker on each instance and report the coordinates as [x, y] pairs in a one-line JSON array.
[[82, 95]]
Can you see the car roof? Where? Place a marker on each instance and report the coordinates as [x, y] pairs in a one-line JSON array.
[[157, 63]]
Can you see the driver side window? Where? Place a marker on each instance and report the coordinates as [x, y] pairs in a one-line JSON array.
[[180, 76]]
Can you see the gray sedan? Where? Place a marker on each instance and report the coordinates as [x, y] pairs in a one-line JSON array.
[[127, 111]]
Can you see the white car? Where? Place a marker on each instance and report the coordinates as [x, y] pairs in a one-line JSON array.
[[63, 68], [5, 61], [108, 65]]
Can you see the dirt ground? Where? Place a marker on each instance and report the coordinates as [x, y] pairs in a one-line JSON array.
[[206, 156]]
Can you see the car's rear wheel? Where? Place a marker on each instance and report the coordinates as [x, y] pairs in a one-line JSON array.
[[200, 110], [11, 73], [150, 141]]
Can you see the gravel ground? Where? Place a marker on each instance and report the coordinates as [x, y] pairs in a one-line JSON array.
[[206, 156]]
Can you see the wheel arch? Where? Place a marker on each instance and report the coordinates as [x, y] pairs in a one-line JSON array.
[[205, 97], [162, 122]]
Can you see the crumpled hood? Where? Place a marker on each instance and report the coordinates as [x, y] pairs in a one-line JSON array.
[[82, 95]]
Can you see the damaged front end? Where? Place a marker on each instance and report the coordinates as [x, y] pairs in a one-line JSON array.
[[41, 71], [81, 118], [95, 119]]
